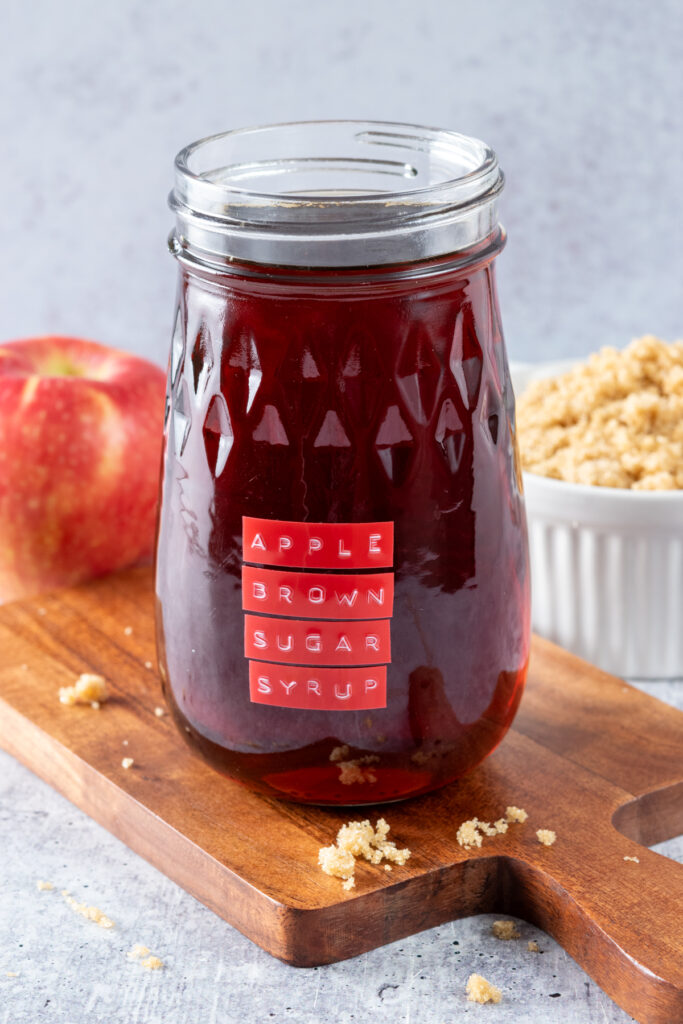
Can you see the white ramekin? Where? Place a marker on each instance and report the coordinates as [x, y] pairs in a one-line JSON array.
[[606, 568]]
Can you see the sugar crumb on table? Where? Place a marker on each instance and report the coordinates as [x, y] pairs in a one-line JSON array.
[[145, 958], [44, 886], [89, 688], [127, 763], [546, 836], [636, 860], [479, 990], [505, 930], [88, 912], [532, 946]]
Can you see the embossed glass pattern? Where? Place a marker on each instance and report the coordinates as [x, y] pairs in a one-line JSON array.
[[339, 394]]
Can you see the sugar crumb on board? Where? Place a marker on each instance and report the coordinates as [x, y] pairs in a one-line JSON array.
[[159, 712], [636, 860], [44, 886], [546, 836], [89, 688], [479, 990], [471, 833], [359, 840], [505, 930], [127, 763]]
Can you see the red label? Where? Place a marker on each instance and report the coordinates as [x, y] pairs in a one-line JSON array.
[[322, 689], [317, 643], [318, 545], [317, 595]]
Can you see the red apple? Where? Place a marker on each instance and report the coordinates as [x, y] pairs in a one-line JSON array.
[[80, 444]]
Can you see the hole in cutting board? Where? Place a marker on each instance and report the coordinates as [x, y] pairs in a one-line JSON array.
[[653, 818]]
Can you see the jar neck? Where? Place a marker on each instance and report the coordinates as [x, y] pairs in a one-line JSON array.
[[466, 262]]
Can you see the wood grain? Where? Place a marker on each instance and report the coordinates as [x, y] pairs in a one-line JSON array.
[[589, 756]]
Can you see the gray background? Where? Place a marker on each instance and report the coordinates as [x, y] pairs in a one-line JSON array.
[[584, 103]]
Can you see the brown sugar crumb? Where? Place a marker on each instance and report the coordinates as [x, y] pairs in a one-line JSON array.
[[145, 958], [138, 951], [479, 990], [516, 814], [340, 753], [44, 886], [88, 689], [532, 946], [159, 712], [152, 963], [613, 421], [472, 832], [636, 860], [505, 930], [128, 631], [353, 771], [148, 664], [359, 839], [468, 835], [90, 913], [356, 771], [127, 763], [546, 836]]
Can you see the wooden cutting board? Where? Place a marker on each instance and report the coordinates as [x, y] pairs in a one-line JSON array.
[[590, 757]]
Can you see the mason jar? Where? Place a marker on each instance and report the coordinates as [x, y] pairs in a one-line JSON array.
[[341, 571]]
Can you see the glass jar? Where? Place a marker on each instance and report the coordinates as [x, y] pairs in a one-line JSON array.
[[342, 580]]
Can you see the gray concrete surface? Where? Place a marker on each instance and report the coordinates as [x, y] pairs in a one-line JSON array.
[[72, 972], [583, 101]]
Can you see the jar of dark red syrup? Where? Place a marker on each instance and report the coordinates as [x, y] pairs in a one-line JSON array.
[[342, 579]]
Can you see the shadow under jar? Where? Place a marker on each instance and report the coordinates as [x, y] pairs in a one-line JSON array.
[[341, 574]]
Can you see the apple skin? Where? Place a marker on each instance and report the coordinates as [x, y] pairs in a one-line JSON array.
[[80, 448]]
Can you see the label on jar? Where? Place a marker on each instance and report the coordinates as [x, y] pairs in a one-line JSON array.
[[317, 640]]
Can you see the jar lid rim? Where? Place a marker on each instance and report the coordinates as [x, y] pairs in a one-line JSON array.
[[482, 176]]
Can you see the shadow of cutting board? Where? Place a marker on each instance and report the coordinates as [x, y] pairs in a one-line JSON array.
[[590, 757]]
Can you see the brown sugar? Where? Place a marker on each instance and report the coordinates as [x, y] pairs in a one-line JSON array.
[[146, 959], [88, 689], [44, 886], [636, 860], [614, 421], [357, 840], [532, 946], [471, 833], [546, 836], [505, 930], [127, 763], [90, 913], [152, 963], [479, 990]]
